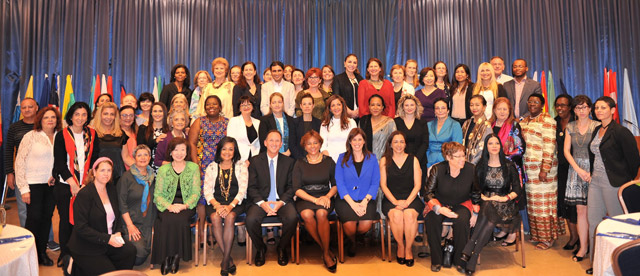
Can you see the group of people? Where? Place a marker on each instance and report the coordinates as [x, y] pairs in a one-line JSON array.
[[300, 145]]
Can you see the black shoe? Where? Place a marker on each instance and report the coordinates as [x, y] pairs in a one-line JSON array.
[[409, 262], [469, 272], [589, 271], [53, 246], [243, 244], [504, 243], [500, 238], [232, 269], [332, 268], [60, 261], [436, 268], [418, 239], [175, 264], [224, 272], [465, 257], [576, 258], [423, 254], [461, 269], [572, 246], [165, 266], [401, 260], [283, 257], [44, 260], [259, 259]]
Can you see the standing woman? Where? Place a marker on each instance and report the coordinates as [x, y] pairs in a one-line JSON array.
[[377, 127], [613, 162], [565, 111], [297, 78], [429, 93], [234, 74], [336, 127], [225, 186], [179, 84], [135, 197], [279, 120], [201, 80], [266, 75], [244, 128], [415, 130], [400, 87], [442, 130], [319, 96], [103, 98], [176, 195], [178, 120], [144, 105], [475, 129], [442, 77], [315, 185], [346, 85], [541, 165], [288, 72], [576, 151], [204, 136], [488, 87], [304, 124], [75, 149], [400, 181], [357, 180], [220, 87], [461, 92], [112, 140], [155, 132], [248, 85], [327, 79], [96, 244], [411, 73], [128, 126], [33, 165], [375, 84]]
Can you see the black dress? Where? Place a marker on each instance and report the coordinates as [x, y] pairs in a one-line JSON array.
[[172, 233], [315, 179], [564, 211], [502, 214], [233, 191], [111, 147], [400, 184]]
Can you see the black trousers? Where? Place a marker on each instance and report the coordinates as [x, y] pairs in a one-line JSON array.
[[114, 259], [482, 232], [39, 213], [62, 194], [461, 228], [288, 216]]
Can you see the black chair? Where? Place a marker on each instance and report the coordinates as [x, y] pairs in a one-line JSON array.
[[625, 259], [628, 195]]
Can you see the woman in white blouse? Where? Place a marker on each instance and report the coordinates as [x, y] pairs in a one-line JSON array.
[[335, 127], [488, 87], [34, 164], [244, 129]]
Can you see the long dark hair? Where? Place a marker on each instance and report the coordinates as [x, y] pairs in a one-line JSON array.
[[388, 151], [221, 144], [242, 82], [349, 153], [483, 165], [165, 126]]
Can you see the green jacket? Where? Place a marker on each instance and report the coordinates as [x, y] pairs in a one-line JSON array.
[[166, 186]]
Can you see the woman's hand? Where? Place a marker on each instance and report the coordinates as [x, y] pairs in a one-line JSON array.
[[113, 240], [223, 210], [401, 204], [542, 176], [26, 198], [584, 175], [161, 138], [176, 208], [474, 218], [134, 233], [324, 201], [447, 212]]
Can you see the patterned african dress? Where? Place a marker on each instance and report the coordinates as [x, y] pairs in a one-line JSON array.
[[540, 134], [210, 134]]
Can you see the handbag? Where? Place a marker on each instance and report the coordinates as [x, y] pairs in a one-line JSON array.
[[447, 254]]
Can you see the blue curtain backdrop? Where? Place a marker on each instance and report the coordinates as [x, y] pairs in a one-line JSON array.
[[136, 40]]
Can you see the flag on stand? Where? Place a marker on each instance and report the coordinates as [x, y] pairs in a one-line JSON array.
[[54, 95], [28, 93], [160, 85], [551, 93], [93, 91], [156, 96], [110, 86], [69, 98], [16, 112], [103, 85], [629, 118], [613, 93], [562, 87], [44, 94], [543, 85], [122, 92], [535, 76]]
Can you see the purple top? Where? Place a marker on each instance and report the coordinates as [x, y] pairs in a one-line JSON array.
[[161, 149], [427, 102]]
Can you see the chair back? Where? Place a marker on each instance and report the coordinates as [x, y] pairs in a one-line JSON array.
[[628, 195], [625, 259]]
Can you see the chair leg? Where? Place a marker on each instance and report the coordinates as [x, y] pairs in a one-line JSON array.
[[206, 237], [340, 243], [197, 247], [298, 243], [382, 238], [249, 249], [522, 244], [388, 222], [293, 249]]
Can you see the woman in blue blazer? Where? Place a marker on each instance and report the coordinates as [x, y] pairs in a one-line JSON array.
[[358, 179]]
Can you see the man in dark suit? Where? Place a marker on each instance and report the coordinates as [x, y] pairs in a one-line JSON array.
[[520, 88], [271, 192]]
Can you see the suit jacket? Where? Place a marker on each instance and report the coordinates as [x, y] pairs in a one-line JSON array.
[[268, 122], [90, 235], [619, 154], [357, 186], [342, 87], [288, 92], [260, 178], [238, 130], [298, 151], [530, 87]]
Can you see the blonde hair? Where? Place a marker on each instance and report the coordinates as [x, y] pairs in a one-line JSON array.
[[415, 82], [223, 61], [275, 94], [400, 110], [494, 84], [195, 79], [97, 121]]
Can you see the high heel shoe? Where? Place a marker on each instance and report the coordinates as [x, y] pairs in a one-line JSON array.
[[224, 272], [569, 246], [165, 266], [332, 268], [401, 260], [409, 262], [577, 258], [175, 264], [232, 269]]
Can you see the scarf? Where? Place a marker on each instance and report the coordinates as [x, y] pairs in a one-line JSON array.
[[285, 132], [89, 135], [145, 181]]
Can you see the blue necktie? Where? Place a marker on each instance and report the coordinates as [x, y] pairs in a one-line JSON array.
[[272, 174]]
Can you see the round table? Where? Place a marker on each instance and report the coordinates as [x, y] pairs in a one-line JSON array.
[[18, 258], [605, 245]]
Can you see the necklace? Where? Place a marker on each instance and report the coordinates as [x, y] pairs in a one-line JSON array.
[[314, 160], [217, 86], [222, 175], [584, 138]]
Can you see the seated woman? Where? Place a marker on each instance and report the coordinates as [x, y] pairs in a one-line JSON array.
[[499, 182], [96, 243], [400, 181], [452, 192], [178, 120], [176, 195], [135, 192], [357, 179], [225, 186], [315, 185]]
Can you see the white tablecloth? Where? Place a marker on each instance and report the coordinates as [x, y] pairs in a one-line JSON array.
[[18, 258], [605, 245]]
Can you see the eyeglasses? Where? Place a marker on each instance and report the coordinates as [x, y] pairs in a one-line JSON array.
[[580, 108], [127, 115], [246, 105], [313, 77]]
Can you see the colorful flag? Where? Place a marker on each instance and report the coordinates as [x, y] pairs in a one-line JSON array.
[[606, 83], [93, 91], [613, 93], [160, 85], [110, 86], [629, 118], [551, 94], [155, 89], [54, 97], [535, 76], [44, 94], [69, 98], [103, 85], [122, 92], [28, 93], [543, 85], [16, 112]]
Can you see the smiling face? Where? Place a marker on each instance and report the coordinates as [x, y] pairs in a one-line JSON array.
[[246, 108], [501, 110], [179, 153], [351, 64], [219, 71], [297, 78], [276, 73], [179, 103], [312, 146], [180, 74], [28, 108], [227, 152], [485, 73], [441, 70], [563, 107], [273, 143], [49, 121], [249, 72], [157, 113], [374, 70], [103, 99], [212, 107], [313, 81], [267, 76], [202, 80], [276, 104], [457, 159], [79, 117], [429, 79], [235, 74], [519, 68], [142, 158], [108, 116], [130, 101], [327, 74], [127, 116], [409, 106], [357, 143], [582, 111], [397, 75], [288, 72], [306, 104], [145, 105], [493, 146], [375, 106], [102, 173], [535, 106], [398, 143], [461, 75], [411, 69], [498, 66], [179, 121], [477, 108], [336, 108]]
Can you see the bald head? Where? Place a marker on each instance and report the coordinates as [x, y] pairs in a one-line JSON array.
[[29, 109]]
